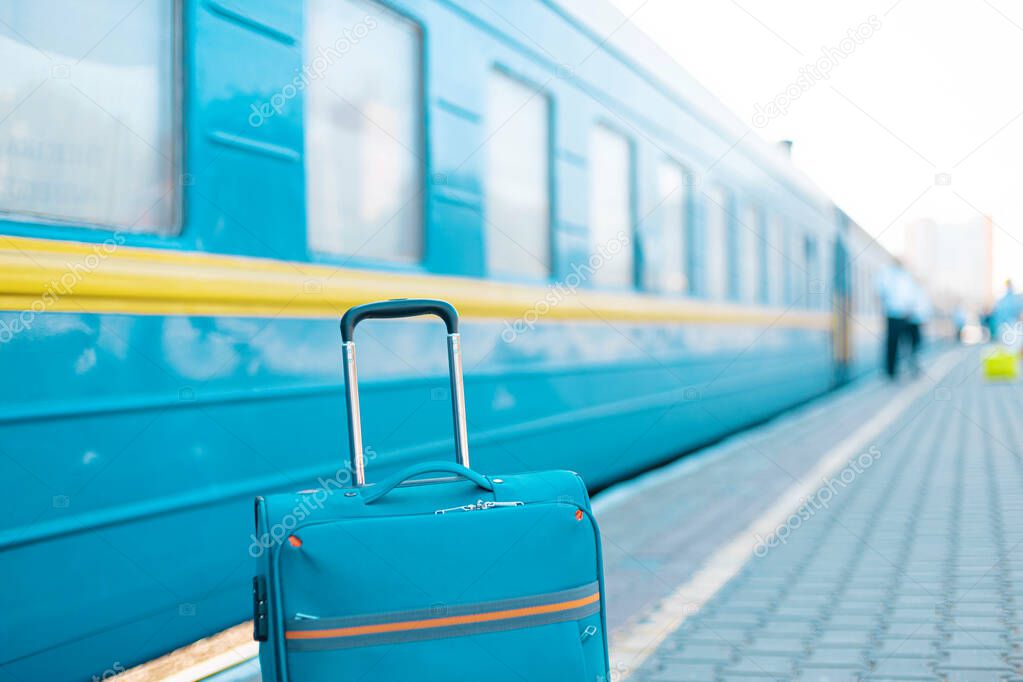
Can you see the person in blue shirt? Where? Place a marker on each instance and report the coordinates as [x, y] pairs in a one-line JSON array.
[[959, 321], [897, 292], [1005, 316]]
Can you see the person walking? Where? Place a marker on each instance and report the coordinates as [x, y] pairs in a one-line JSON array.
[[959, 321], [1005, 317], [897, 292]]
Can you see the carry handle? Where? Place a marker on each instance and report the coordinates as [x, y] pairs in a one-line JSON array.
[[390, 484], [398, 307], [401, 307]]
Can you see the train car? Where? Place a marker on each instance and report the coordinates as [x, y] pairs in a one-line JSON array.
[[193, 191], [867, 260]]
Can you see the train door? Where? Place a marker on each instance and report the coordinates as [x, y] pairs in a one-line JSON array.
[[841, 302]]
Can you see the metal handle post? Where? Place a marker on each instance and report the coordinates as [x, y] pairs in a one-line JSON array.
[[458, 398], [351, 376]]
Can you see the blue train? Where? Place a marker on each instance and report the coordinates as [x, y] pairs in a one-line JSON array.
[[193, 191]]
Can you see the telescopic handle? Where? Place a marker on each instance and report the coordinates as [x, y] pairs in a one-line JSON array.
[[398, 308]]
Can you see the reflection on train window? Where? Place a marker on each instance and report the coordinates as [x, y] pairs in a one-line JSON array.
[[667, 232], [716, 255], [776, 261], [363, 134], [517, 185], [868, 291], [90, 134], [854, 288], [872, 303], [827, 276], [610, 197], [864, 290], [875, 301], [750, 244], [812, 279], [796, 295]]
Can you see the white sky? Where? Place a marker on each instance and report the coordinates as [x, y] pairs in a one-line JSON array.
[[936, 89]]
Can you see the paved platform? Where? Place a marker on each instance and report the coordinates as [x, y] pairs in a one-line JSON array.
[[872, 535], [903, 561]]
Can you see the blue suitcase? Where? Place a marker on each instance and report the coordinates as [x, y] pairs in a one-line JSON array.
[[438, 573]]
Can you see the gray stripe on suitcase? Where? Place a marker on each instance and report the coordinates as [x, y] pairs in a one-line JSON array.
[[405, 636], [444, 610]]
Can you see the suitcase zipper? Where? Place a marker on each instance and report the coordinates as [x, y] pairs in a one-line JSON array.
[[480, 505]]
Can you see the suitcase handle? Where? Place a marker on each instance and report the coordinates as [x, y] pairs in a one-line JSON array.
[[398, 307], [401, 307], [425, 468]]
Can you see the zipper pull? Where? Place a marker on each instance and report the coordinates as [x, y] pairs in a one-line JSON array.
[[464, 507], [480, 505], [305, 616], [491, 505]]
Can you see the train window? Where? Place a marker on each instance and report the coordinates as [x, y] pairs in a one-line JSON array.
[[518, 234], [868, 292], [776, 261], [853, 288], [797, 269], [749, 255], [866, 297], [812, 279], [875, 300], [88, 133], [716, 253], [863, 290], [669, 230], [363, 134], [610, 197]]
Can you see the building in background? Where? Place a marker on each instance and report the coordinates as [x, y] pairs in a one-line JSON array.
[[953, 260]]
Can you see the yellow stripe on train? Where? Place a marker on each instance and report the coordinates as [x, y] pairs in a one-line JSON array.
[[44, 275]]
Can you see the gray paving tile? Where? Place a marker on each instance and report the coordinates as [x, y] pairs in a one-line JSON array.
[[761, 664], [978, 658], [784, 627], [845, 638], [735, 636], [826, 657], [700, 652], [765, 644], [680, 672], [976, 676], [990, 623], [905, 614], [905, 648], [830, 675], [912, 630], [904, 668], [852, 621], [964, 639]]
